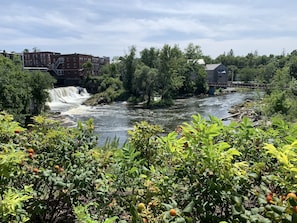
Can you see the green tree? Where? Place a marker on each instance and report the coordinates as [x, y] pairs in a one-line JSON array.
[[88, 67], [280, 80], [169, 78], [39, 82], [22, 93], [266, 72], [144, 82], [150, 57], [15, 94], [193, 52], [247, 74], [107, 86], [194, 79], [293, 66], [128, 69]]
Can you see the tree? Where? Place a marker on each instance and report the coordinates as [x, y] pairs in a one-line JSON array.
[[128, 69], [35, 49], [194, 81], [266, 73], [169, 78], [144, 82], [193, 52], [14, 89], [150, 57], [39, 82], [22, 93], [293, 66], [247, 74], [88, 67]]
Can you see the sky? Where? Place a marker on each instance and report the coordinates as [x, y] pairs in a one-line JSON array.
[[111, 27]]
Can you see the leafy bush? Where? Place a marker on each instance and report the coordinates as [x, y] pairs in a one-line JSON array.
[[204, 171]]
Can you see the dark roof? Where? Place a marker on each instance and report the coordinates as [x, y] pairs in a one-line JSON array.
[[212, 66]]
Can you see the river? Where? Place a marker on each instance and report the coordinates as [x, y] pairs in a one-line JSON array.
[[114, 120]]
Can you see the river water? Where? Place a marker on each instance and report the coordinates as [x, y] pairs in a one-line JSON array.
[[114, 120]]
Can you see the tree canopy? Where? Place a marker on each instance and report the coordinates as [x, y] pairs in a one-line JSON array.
[[22, 93]]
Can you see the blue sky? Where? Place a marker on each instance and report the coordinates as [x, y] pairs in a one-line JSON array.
[[110, 27]]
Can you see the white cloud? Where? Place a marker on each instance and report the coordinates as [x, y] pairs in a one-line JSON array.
[[109, 27]]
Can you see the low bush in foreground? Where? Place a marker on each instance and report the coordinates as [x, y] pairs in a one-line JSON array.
[[203, 171]]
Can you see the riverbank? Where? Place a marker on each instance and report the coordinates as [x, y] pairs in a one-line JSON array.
[[249, 109]]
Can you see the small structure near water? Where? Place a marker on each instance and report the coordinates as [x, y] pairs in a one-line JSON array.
[[216, 74]]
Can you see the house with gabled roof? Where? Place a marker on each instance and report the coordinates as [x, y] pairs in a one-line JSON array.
[[217, 73]]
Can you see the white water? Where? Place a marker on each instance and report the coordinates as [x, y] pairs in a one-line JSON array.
[[114, 120], [63, 99]]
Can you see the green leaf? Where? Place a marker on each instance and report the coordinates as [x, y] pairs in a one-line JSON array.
[[167, 206], [111, 220], [292, 201], [189, 207], [180, 220], [278, 209], [238, 200]]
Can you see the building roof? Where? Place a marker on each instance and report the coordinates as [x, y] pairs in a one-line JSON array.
[[212, 66]]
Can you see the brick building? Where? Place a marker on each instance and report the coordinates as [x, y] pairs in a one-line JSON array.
[[38, 59], [66, 68]]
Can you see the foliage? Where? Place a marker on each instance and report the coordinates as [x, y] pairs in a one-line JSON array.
[[39, 83], [144, 140], [204, 171], [88, 67], [22, 93], [281, 98], [170, 72], [247, 74], [12, 205], [144, 82], [106, 88], [277, 102]]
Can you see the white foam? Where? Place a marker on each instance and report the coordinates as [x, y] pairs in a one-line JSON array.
[[79, 110], [65, 98]]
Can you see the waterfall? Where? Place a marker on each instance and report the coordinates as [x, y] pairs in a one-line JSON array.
[[63, 98]]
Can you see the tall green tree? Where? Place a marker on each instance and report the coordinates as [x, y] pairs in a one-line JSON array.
[[39, 82], [150, 57], [193, 52], [128, 69], [22, 93], [194, 81], [169, 79], [14, 89], [88, 68], [144, 82]]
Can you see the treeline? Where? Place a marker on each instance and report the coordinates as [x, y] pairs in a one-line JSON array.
[[171, 72], [279, 72], [167, 73], [254, 67], [22, 93]]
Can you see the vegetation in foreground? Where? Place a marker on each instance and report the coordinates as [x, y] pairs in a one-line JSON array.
[[203, 171]]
